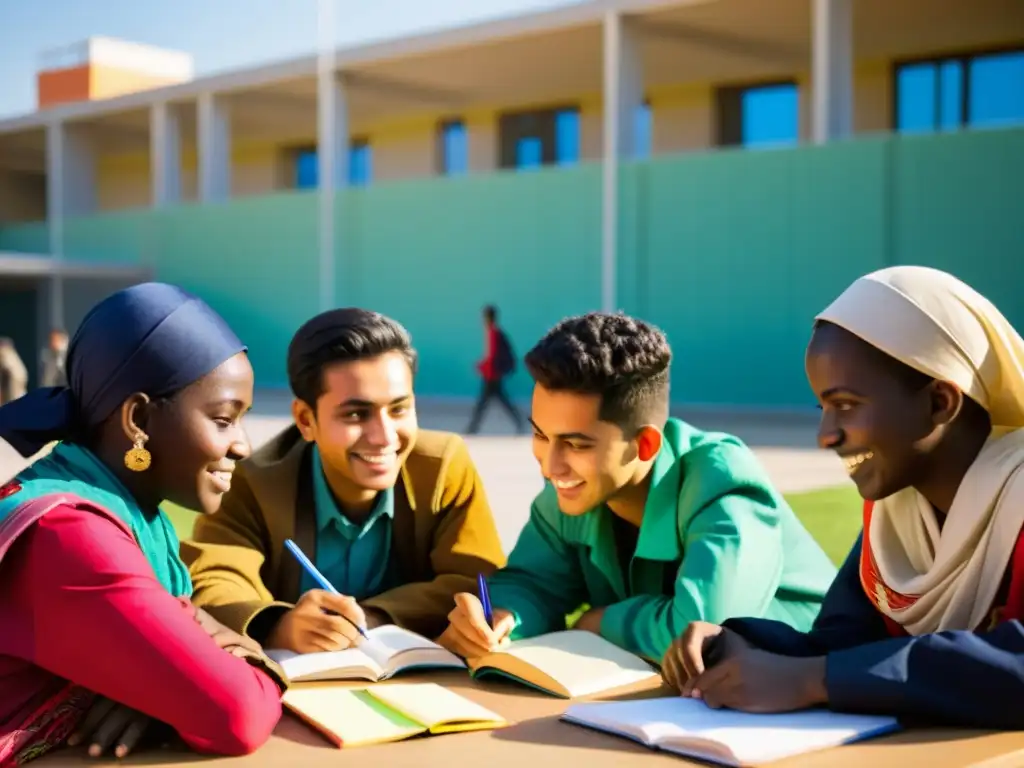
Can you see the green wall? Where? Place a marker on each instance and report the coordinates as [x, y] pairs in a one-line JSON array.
[[733, 253], [255, 261], [730, 252], [432, 253], [33, 237]]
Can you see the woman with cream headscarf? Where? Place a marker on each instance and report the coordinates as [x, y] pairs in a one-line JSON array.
[[921, 384]]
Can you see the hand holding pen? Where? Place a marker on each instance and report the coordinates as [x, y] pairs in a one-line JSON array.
[[475, 626], [322, 619]]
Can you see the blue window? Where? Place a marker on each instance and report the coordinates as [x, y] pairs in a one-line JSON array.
[[360, 164], [915, 105], [758, 116], [949, 93], [535, 138], [307, 168], [567, 136], [454, 148], [997, 89], [643, 126], [770, 116], [529, 153]]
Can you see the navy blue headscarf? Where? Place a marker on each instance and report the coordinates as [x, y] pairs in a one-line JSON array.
[[153, 338]]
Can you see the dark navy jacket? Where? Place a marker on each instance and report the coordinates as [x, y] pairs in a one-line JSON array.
[[961, 678]]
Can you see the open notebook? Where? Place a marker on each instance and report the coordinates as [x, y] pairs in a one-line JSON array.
[[389, 651], [690, 727], [354, 717], [569, 664]]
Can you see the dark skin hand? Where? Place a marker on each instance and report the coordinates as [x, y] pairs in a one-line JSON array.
[[590, 621], [711, 663], [108, 724]]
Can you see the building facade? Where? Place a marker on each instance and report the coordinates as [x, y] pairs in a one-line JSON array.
[[719, 167]]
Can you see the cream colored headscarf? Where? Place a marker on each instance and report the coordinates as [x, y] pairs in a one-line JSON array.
[[938, 325]]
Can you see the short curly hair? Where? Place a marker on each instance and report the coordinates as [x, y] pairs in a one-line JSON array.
[[624, 360]]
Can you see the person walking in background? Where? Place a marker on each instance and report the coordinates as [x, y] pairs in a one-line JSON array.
[[13, 374], [499, 362], [51, 360]]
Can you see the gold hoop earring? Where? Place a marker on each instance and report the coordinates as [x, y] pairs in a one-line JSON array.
[[138, 458]]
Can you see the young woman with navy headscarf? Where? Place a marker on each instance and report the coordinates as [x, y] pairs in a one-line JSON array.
[[98, 628]]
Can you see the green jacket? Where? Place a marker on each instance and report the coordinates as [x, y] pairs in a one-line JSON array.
[[717, 541]]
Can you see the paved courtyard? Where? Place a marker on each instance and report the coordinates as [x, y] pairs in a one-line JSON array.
[[784, 444]]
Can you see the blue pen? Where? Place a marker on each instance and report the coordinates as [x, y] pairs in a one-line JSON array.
[[485, 599], [319, 578]]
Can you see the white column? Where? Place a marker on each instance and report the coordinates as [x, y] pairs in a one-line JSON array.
[[71, 170], [214, 141], [832, 76], [332, 134], [70, 192], [623, 96], [332, 148], [165, 154], [79, 171], [55, 219]]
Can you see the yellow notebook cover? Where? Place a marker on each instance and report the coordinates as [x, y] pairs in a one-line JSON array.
[[355, 717]]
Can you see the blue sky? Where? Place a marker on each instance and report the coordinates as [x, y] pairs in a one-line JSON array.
[[220, 34]]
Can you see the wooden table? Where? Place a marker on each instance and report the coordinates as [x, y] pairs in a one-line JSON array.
[[536, 738]]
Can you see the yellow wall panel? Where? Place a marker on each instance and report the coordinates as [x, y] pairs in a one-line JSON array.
[[683, 120]]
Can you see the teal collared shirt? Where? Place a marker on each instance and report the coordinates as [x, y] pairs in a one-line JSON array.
[[716, 541], [354, 558]]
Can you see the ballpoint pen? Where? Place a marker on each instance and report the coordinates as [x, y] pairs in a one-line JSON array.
[[485, 599], [320, 579]]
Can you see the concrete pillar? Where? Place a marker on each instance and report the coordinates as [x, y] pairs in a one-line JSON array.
[[70, 192], [165, 154], [832, 70], [623, 97], [332, 133], [332, 166], [70, 170], [213, 138], [55, 187]]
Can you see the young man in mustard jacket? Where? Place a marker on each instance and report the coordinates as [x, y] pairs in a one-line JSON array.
[[648, 520], [394, 516]]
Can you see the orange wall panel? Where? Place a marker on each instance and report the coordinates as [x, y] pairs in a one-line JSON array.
[[91, 81], [59, 86]]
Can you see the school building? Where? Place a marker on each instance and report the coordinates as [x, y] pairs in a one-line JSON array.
[[722, 168]]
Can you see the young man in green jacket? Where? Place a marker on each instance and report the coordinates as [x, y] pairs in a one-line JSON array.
[[646, 519]]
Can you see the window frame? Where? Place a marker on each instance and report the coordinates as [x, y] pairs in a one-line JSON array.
[[965, 57], [547, 125], [296, 151], [440, 146], [728, 110]]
